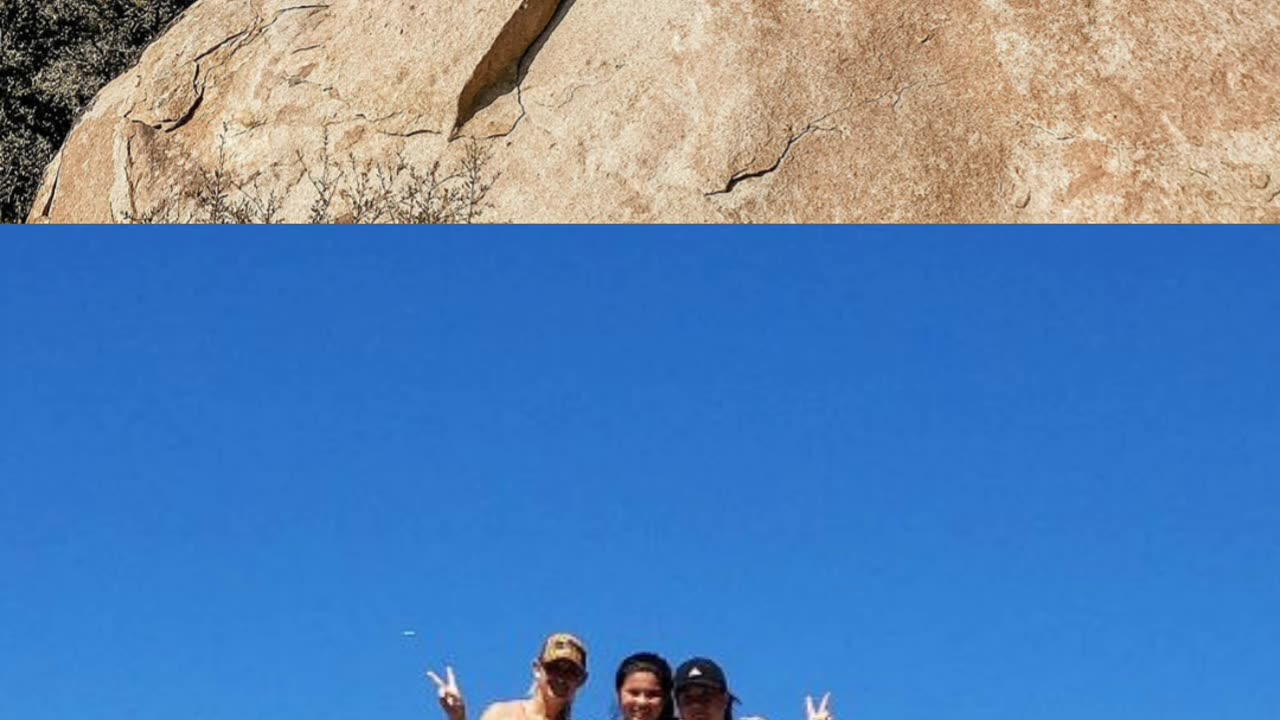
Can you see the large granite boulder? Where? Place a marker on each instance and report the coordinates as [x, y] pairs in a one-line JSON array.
[[697, 111]]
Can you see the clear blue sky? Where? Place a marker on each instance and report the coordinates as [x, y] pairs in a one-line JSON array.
[[972, 475]]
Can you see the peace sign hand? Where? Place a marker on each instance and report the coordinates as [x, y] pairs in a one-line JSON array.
[[450, 695], [821, 712]]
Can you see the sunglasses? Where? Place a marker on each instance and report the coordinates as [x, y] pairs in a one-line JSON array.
[[697, 693], [563, 670]]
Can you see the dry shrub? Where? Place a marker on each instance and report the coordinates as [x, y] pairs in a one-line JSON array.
[[351, 192]]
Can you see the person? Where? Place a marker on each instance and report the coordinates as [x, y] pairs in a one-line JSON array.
[[559, 671], [702, 693], [644, 688]]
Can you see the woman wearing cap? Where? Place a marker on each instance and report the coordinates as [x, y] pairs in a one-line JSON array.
[[558, 672], [702, 693], [642, 683]]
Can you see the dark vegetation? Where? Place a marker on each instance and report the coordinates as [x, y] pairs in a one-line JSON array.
[[54, 57]]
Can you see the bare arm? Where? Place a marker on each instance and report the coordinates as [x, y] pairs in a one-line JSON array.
[[494, 712], [821, 711]]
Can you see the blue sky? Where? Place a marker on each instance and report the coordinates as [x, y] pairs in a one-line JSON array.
[[960, 475]]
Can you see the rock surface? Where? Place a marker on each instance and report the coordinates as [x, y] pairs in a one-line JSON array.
[[708, 110]]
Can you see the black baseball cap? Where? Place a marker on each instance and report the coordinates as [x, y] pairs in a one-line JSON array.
[[700, 671]]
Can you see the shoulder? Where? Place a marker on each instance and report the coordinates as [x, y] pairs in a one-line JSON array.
[[508, 710]]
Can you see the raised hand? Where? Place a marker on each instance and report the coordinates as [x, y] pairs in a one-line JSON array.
[[821, 712], [450, 694]]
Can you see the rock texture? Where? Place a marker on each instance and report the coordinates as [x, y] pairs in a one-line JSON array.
[[710, 110]]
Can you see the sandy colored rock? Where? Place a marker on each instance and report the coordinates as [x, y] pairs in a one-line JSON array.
[[707, 110]]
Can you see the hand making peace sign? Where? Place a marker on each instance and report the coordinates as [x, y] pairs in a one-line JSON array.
[[822, 712], [450, 695]]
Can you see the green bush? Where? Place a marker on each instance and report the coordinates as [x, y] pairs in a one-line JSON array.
[[54, 57]]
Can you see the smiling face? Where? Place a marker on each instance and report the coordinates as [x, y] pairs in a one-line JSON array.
[[699, 702], [640, 696], [559, 679]]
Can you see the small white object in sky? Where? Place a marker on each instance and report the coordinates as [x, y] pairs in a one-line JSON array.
[[409, 633]]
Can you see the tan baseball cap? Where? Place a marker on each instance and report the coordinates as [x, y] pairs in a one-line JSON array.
[[563, 646]]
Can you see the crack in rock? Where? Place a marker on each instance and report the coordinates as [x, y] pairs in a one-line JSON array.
[[503, 59], [577, 85], [226, 41], [744, 175], [573, 90], [411, 133], [186, 116], [508, 131], [234, 42], [1066, 136], [53, 191], [314, 6], [897, 100], [128, 175]]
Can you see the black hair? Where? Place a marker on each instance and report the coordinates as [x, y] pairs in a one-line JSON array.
[[650, 663]]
